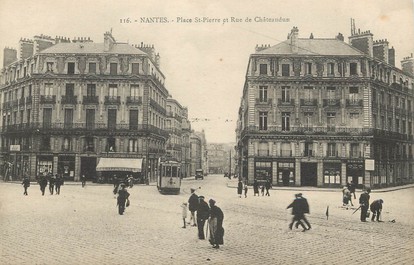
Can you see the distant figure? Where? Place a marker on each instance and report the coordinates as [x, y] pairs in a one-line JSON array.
[[26, 184], [123, 199], [193, 204], [42, 184], [130, 181], [267, 185], [184, 212], [346, 197], [376, 208], [255, 188], [58, 183], [364, 204], [203, 213], [83, 180], [51, 183], [351, 188], [262, 189], [245, 190], [240, 188], [216, 225]]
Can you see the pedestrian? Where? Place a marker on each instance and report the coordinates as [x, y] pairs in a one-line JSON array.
[[262, 189], [123, 199], [216, 225], [297, 212], [351, 188], [346, 197], [193, 203], [26, 184], [240, 188], [184, 212], [255, 187], [130, 181], [42, 183], [364, 204], [376, 209], [58, 183], [304, 205], [203, 213], [267, 185], [245, 190], [83, 180], [52, 180]]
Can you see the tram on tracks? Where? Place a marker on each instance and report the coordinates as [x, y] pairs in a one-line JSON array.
[[169, 177]]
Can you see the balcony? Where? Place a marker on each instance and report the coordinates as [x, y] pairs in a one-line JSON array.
[[48, 99], [331, 102], [112, 100], [134, 100], [263, 102], [90, 100], [308, 102], [354, 103], [290, 102], [157, 107], [69, 100]]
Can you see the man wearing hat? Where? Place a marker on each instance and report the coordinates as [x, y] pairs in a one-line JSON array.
[[123, 198], [364, 204], [203, 213], [193, 206], [297, 212], [376, 208]]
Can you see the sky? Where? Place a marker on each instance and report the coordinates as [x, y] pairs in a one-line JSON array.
[[205, 63]]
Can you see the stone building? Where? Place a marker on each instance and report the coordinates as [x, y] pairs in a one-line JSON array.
[[71, 106], [195, 153], [321, 112]]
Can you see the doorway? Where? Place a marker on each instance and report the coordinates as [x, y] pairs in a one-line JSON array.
[[309, 174], [88, 167]]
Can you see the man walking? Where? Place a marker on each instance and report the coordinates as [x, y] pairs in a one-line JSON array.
[[364, 204], [52, 181], [193, 206], [42, 184], [304, 206], [267, 185], [26, 184], [58, 183], [203, 213], [376, 208], [123, 199], [83, 180], [297, 213]]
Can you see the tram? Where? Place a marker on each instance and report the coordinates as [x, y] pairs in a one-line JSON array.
[[169, 180]]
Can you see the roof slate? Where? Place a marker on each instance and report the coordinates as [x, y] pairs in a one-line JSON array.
[[90, 47]]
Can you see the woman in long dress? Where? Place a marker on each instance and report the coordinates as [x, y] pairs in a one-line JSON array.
[[216, 225]]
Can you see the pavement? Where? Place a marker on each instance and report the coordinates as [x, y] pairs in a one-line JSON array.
[[82, 226]]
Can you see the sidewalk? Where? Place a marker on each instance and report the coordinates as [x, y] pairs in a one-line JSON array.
[[233, 184]]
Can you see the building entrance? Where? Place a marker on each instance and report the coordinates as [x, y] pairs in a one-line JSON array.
[[88, 167], [309, 174]]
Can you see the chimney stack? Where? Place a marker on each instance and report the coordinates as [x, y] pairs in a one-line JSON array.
[[109, 41], [407, 65], [363, 41], [25, 48], [294, 39], [42, 42], [391, 56], [9, 56], [380, 50]]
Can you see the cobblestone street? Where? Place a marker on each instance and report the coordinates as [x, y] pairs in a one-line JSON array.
[[82, 226]]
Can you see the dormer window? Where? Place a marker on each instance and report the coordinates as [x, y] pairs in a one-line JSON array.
[[353, 69], [308, 68], [263, 69], [285, 70], [71, 68], [49, 66], [113, 68], [331, 69]]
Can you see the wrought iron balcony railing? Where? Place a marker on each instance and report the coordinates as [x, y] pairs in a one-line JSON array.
[[90, 100], [69, 100], [48, 99]]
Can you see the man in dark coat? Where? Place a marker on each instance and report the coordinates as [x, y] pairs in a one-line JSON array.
[[42, 184], [376, 208], [203, 212], [304, 205], [240, 188], [256, 187], [58, 183], [267, 185], [193, 206], [216, 225], [52, 181], [123, 199], [26, 184], [297, 211], [364, 204]]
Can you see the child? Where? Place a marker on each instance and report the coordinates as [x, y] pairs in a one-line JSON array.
[[184, 212]]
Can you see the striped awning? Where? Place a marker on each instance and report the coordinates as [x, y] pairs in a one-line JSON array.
[[119, 164]]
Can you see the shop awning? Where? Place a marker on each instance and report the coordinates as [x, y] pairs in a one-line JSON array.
[[119, 164]]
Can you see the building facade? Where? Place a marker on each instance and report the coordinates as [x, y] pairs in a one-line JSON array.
[[66, 104], [321, 112], [195, 153]]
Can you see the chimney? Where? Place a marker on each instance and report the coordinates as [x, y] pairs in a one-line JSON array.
[[380, 50], [340, 37], [363, 41], [42, 42], [407, 65], [9, 56], [109, 41], [294, 39], [25, 48], [311, 36], [261, 47], [148, 49], [391, 56]]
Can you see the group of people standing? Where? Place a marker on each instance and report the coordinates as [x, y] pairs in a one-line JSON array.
[[201, 212], [54, 181], [243, 187], [375, 207]]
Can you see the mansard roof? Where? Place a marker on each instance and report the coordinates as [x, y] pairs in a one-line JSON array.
[[91, 48], [313, 47]]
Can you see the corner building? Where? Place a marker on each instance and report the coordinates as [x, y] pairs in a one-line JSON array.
[[321, 112], [66, 104]]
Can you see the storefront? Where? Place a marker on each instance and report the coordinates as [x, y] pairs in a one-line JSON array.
[[332, 174], [111, 170], [286, 173], [66, 167], [263, 170], [44, 164], [355, 172]]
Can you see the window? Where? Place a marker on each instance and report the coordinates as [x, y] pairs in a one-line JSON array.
[[24, 71], [113, 68], [285, 121], [133, 119], [285, 70], [91, 90], [331, 120], [71, 68], [135, 93], [47, 117], [66, 144], [353, 95], [263, 149], [285, 149], [45, 143], [90, 119], [133, 145], [135, 68], [353, 69], [92, 68], [70, 89], [113, 90], [30, 90], [22, 94], [286, 94], [308, 68], [355, 150], [28, 116], [263, 121], [263, 93], [21, 116], [48, 89], [331, 150], [263, 69], [111, 118], [397, 125], [89, 144], [331, 69], [308, 119], [331, 93], [111, 145], [308, 149], [49, 67], [68, 118]]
